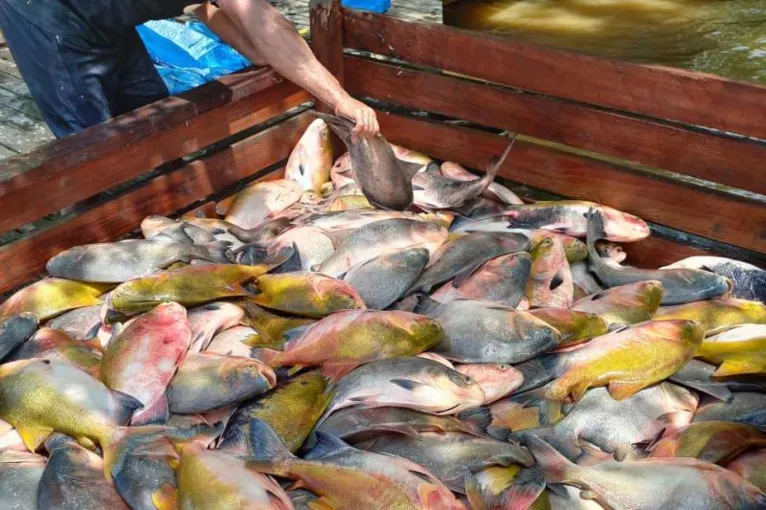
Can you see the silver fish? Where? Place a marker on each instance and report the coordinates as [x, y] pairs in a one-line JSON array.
[[749, 280], [384, 279], [20, 474], [15, 330], [80, 324], [746, 407]]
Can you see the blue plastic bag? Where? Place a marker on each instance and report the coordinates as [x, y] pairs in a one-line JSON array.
[[368, 5]]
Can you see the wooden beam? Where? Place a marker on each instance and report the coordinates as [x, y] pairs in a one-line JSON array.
[[69, 170], [659, 92], [25, 259], [724, 160], [327, 37]]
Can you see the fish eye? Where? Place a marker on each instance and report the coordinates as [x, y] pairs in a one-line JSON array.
[[468, 380], [504, 367]]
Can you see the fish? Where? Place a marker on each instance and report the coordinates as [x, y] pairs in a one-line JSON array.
[[53, 344], [341, 173], [749, 280], [80, 324], [385, 279], [302, 499], [207, 381], [624, 305], [189, 286], [499, 487], [478, 208], [698, 375], [675, 483], [341, 223], [716, 315], [466, 254], [349, 203], [494, 191], [712, 441], [264, 233], [345, 340], [20, 474], [570, 217], [679, 286], [745, 407], [506, 335], [292, 409], [312, 247], [432, 190], [741, 350], [574, 249], [410, 156], [749, 466], [129, 259], [359, 424], [305, 294], [628, 360], [233, 342], [550, 279], [385, 180], [146, 479], [310, 161], [261, 201], [52, 297], [15, 330], [585, 284], [501, 280], [177, 231], [496, 380], [620, 429], [413, 383], [208, 320], [451, 456], [273, 329], [143, 358], [73, 479], [575, 327], [216, 480], [380, 238], [334, 471]]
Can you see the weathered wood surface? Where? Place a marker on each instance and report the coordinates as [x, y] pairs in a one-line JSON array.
[[659, 92], [724, 160], [163, 195], [69, 170], [723, 218]]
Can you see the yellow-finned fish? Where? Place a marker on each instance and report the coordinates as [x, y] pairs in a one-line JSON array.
[[53, 296], [741, 350], [716, 315], [310, 161], [306, 294]]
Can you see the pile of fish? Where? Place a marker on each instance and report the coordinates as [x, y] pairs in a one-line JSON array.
[[383, 331]]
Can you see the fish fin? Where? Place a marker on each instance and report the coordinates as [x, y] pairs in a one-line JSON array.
[[156, 414], [407, 384], [464, 276], [476, 420], [527, 486], [33, 436], [325, 444], [620, 390], [321, 504], [217, 251], [234, 441], [409, 169], [498, 162], [265, 444], [427, 306], [738, 366], [293, 334], [499, 433], [128, 405], [555, 466], [334, 370], [595, 232], [566, 444], [222, 207], [164, 498]]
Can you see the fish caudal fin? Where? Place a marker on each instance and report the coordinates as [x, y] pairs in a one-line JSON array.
[[218, 251], [555, 467], [477, 421], [497, 163], [265, 444]]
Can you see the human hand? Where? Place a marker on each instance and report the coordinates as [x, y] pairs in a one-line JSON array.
[[364, 117]]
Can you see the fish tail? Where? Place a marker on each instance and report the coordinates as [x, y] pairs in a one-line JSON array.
[[218, 251], [555, 467], [477, 421], [595, 232], [497, 163], [266, 447]]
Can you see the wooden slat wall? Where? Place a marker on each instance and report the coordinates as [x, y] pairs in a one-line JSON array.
[[69, 170], [163, 195], [654, 91]]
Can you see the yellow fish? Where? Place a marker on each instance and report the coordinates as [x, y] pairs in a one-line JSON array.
[[741, 350], [53, 296]]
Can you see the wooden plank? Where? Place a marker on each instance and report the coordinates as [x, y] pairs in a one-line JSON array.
[[20, 133], [71, 169], [724, 160], [733, 221], [327, 37], [655, 91], [25, 259]]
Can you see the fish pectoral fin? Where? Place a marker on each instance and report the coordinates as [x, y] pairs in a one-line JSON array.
[[409, 169], [620, 390], [86, 443], [407, 384], [525, 489], [739, 366], [156, 413], [33, 436], [325, 444], [165, 497]]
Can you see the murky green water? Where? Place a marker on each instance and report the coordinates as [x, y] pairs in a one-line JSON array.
[[724, 37]]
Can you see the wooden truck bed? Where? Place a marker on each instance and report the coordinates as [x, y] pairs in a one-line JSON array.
[[684, 151]]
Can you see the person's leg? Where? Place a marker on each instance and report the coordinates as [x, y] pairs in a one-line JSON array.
[[67, 101], [138, 82]]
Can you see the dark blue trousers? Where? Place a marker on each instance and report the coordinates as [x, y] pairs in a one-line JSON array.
[[76, 80]]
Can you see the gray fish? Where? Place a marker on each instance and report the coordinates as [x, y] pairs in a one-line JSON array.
[[466, 254], [125, 260], [699, 376], [746, 407], [264, 233], [80, 324], [74, 479], [682, 484], [413, 383], [617, 427], [15, 330], [384, 279], [436, 191], [475, 332], [385, 180], [146, 475], [478, 208], [383, 237], [451, 456], [312, 247], [749, 280], [20, 474], [680, 285]]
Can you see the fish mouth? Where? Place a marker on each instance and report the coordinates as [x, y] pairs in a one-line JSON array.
[[450, 410]]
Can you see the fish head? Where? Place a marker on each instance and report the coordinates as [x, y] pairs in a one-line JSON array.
[[496, 380], [460, 388], [548, 254], [423, 331], [623, 227], [337, 295], [248, 373], [153, 225], [609, 250]]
